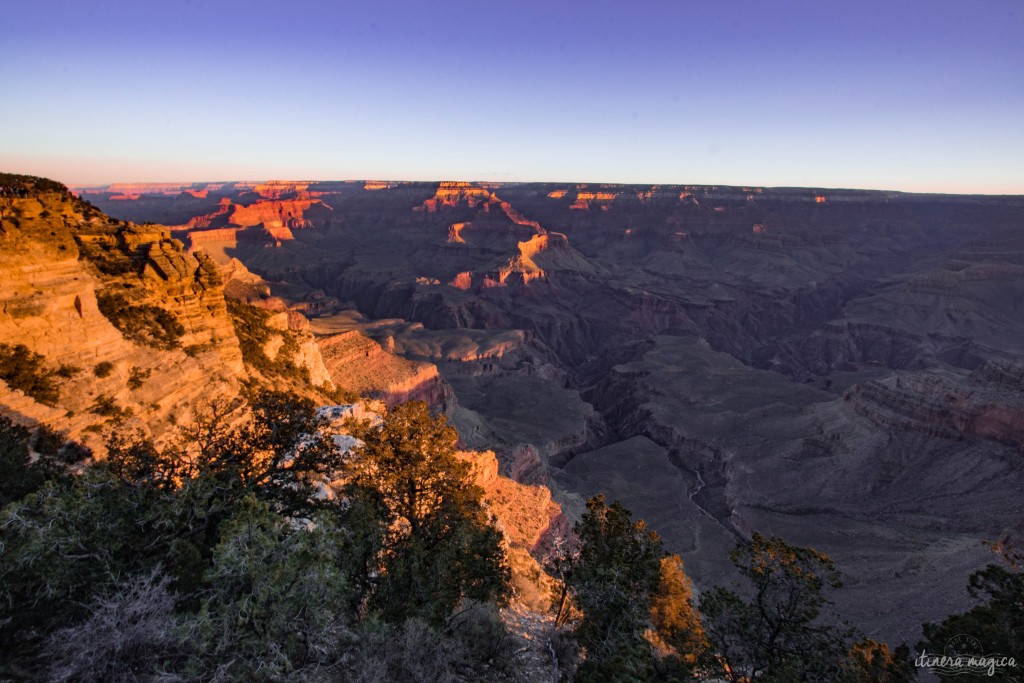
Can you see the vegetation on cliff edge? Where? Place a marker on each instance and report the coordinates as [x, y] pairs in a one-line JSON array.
[[26, 371], [224, 556]]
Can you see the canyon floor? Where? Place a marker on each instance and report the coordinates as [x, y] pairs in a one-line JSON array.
[[841, 368]]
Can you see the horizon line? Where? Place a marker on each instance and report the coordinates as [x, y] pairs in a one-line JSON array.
[[742, 186]]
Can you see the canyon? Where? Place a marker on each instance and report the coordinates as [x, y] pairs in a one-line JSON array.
[[843, 368], [131, 333]]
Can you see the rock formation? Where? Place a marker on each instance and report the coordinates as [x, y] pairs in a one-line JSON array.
[[357, 363], [111, 301]]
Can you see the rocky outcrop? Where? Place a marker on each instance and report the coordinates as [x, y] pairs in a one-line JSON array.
[[950, 403], [450, 194], [271, 219], [526, 512], [357, 363], [140, 325], [288, 213], [530, 521], [308, 356], [586, 199]]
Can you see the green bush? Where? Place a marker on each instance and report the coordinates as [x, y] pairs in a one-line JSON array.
[[143, 323], [250, 323], [229, 564], [68, 371], [20, 474], [137, 377], [103, 369], [26, 371], [105, 406], [107, 254]]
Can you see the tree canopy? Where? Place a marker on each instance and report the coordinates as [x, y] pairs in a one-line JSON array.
[[227, 554]]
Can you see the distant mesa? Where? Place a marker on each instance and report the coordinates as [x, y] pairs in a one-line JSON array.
[[451, 194], [373, 185], [280, 189], [584, 200], [271, 220]]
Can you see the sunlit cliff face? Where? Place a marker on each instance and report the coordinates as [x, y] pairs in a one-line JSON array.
[[451, 194], [585, 199], [463, 280], [455, 233], [272, 214], [276, 189]]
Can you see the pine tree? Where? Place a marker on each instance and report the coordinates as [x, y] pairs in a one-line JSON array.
[[777, 635], [611, 578], [437, 542]]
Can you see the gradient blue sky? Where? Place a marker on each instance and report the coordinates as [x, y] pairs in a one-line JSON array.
[[911, 95]]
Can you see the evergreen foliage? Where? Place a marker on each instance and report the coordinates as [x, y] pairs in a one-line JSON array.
[[253, 332], [26, 371], [997, 622], [219, 557], [143, 323], [20, 472], [436, 542], [611, 577], [677, 630], [780, 633]]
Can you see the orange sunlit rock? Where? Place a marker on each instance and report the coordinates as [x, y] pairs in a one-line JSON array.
[[463, 280], [520, 219], [199, 238], [585, 199], [526, 511], [285, 212], [819, 199], [279, 232], [278, 217], [357, 363], [453, 193], [455, 232], [276, 189], [215, 218], [557, 194], [134, 190], [374, 185]]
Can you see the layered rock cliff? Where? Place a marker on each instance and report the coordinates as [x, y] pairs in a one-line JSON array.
[[137, 326], [358, 364]]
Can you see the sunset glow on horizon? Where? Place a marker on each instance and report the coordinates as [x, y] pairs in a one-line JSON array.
[[912, 96]]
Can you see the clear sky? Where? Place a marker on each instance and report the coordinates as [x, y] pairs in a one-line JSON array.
[[922, 95]]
